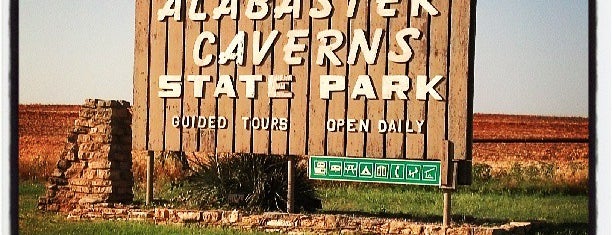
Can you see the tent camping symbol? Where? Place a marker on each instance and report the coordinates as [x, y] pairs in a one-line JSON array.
[[366, 170]]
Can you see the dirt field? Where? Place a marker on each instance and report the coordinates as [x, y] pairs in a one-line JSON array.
[[43, 128]]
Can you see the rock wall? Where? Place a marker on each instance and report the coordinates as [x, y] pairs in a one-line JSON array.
[[293, 223], [96, 164]]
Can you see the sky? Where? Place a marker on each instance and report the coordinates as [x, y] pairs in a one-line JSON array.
[[531, 57]]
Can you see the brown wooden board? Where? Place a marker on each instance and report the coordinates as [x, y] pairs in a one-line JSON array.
[[280, 106], [157, 109], [395, 140], [261, 137], [208, 104], [174, 67], [141, 75], [299, 103], [191, 105], [461, 88], [356, 107], [415, 142], [444, 48], [243, 104], [437, 147], [317, 106], [336, 105], [225, 104], [375, 107], [458, 98], [436, 110]]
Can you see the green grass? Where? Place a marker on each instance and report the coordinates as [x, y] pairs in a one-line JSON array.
[[33, 221], [426, 204], [560, 209]]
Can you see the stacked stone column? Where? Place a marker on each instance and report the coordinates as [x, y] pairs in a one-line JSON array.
[[96, 164]]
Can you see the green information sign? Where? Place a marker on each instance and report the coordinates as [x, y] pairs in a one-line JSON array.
[[392, 171]]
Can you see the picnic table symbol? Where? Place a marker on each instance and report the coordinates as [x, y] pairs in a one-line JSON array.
[[350, 169]]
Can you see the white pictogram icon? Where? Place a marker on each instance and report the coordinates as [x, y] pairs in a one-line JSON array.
[[319, 168], [381, 171], [412, 174], [396, 172], [366, 172], [350, 169], [428, 174], [335, 168]]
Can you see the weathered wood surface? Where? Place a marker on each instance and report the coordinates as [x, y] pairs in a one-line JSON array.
[[261, 137], [225, 104], [157, 109], [174, 66], [356, 107], [395, 108], [444, 48], [243, 104], [280, 107], [376, 107], [191, 104], [299, 104], [317, 106], [140, 107], [336, 104]]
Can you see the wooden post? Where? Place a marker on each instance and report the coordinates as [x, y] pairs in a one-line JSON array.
[[447, 208], [290, 185], [150, 162]]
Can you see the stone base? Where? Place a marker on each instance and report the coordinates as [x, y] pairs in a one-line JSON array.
[[289, 223], [96, 163]]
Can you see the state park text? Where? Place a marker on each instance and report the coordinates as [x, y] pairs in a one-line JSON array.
[[297, 46]]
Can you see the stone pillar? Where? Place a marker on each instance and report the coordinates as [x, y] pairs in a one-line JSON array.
[[96, 164]]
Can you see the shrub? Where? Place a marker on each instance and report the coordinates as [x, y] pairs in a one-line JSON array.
[[250, 182]]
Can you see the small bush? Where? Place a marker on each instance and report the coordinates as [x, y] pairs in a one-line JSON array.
[[250, 182], [481, 172]]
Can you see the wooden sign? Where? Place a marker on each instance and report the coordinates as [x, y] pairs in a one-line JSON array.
[[357, 78]]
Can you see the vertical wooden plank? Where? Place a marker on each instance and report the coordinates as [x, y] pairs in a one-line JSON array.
[[190, 102], [243, 104], [175, 67], [438, 61], [337, 108], [395, 140], [460, 82], [356, 107], [375, 107], [317, 106], [280, 106], [158, 68], [299, 107], [415, 142], [208, 103], [225, 104], [261, 137], [141, 75]]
